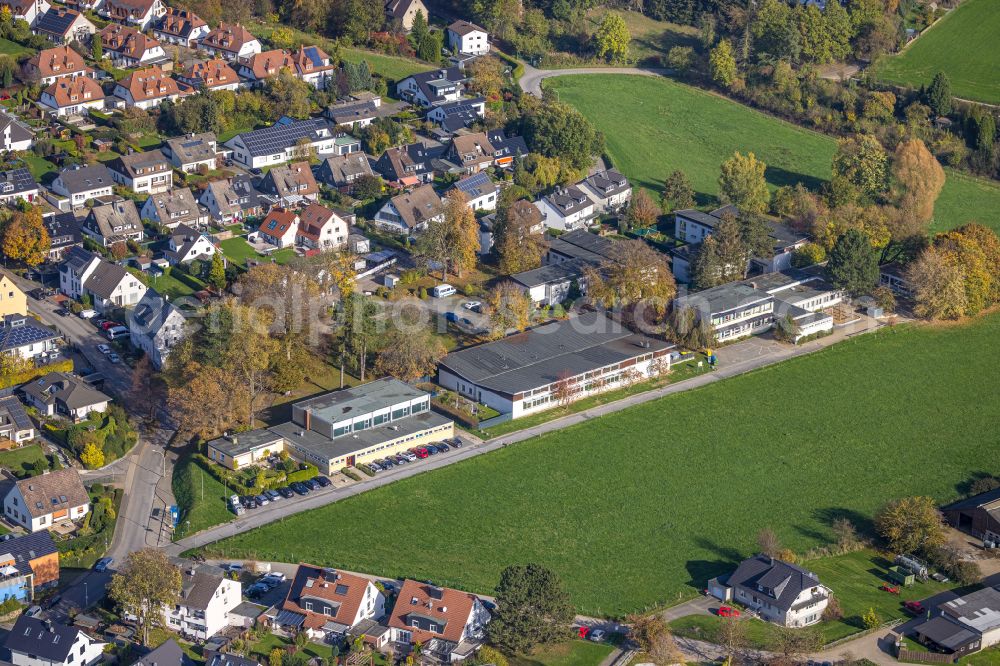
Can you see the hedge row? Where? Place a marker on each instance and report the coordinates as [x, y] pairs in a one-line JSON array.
[[66, 365]]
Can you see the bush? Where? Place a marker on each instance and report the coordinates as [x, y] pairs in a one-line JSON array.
[[871, 619], [365, 469], [304, 474], [349, 473], [833, 610]]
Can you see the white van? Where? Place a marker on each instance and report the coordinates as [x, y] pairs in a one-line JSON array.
[[443, 291], [87, 314], [116, 332]]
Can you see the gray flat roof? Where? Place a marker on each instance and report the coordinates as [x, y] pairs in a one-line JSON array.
[[979, 611], [350, 402], [245, 441], [723, 298], [545, 354], [564, 270]]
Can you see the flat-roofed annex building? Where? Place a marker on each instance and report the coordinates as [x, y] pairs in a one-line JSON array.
[[342, 428], [562, 361]]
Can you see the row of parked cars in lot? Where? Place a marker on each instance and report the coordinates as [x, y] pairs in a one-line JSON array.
[[239, 504], [265, 584], [414, 454]]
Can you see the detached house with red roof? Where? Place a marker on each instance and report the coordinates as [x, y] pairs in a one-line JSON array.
[[279, 227], [147, 88], [327, 603], [261, 66], [313, 66], [215, 74], [321, 228], [180, 26], [230, 41], [140, 13], [50, 65], [128, 47], [67, 97], [449, 624], [26, 10]]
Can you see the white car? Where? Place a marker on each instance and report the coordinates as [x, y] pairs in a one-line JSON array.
[[104, 349], [474, 306], [114, 358], [596, 635]]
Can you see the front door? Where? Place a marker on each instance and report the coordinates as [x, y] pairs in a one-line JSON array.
[[350, 461]]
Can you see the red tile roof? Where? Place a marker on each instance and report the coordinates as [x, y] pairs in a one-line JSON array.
[[269, 63], [210, 73], [312, 219], [59, 61], [450, 608], [149, 83], [126, 40], [278, 222], [345, 592], [228, 37], [77, 90]]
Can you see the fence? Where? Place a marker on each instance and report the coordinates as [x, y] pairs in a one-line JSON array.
[[917, 655], [496, 420]]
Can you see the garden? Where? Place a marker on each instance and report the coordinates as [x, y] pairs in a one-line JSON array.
[[100, 439], [91, 540]]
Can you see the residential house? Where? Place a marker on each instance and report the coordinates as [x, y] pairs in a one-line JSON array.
[[356, 113], [405, 166], [284, 141], [566, 209], [977, 515], [28, 11], [49, 65], [403, 12], [779, 592], [128, 47], [155, 326], [261, 66], [14, 135], [17, 184], [342, 428], [15, 426], [85, 273], [180, 26], [893, 275], [468, 38], [29, 563], [535, 370], [411, 212], [230, 41], [480, 190], [147, 88], [114, 222], [167, 654], [290, 184], [437, 86], [39, 502], [234, 200], [506, 148], [13, 300], [191, 152], [449, 624], [473, 152], [207, 596], [139, 13], [313, 65], [173, 209], [328, 604], [64, 233], [37, 642], [320, 228], [72, 96], [62, 26], [457, 115], [215, 74], [609, 190], [963, 625], [213, 658], [80, 184], [148, 172], [187, 244], [693, 226], [25, 337], [279, 227], [341, 171], [345, 144], [77, 266]]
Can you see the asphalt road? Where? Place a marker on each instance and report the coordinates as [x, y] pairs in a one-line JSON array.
[[531, 80]]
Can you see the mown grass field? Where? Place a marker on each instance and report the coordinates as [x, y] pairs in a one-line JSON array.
[[639, 508], [651, 39], [963, 45], [569, 653], [7, 47], [201, 498], [674, 126]]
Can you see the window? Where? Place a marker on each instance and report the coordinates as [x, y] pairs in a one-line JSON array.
[[308, 605]]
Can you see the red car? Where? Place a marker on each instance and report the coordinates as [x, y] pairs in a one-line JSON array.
[[420, 452], [885, 587], [728, 611], [583, 631], [109, 324], [914, 607]]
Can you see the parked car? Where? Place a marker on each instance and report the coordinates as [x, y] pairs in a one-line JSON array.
[[431, 449], [728, 611], [473, 306], [249, 502], [451, 316], [87, 314], [420, 452], [286, 492], [408, 456], [323, 481], [387, 463], [114, 358], [106, 324], [442, 447], [62, 312], [456, 442], [375, 467], [234, 567], [914, 607], [34, 611], [262, 499], [299, 488], [103, 564], [399, 459], [597, 635], [104, 349], [272, 494], [275, 576], [311, 484], [256, 590]]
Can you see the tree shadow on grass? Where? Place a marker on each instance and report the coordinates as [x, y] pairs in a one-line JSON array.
[[702, 571], [862, 523], [779, 177], [964, 488]]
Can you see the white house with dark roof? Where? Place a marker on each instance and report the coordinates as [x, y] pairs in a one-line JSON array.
[[174, 208], [155, 326], [453, 116], [39, 502], [143, 173], [17, 184], [14, 136], [404, 12], [355, 112], [282, 142], [434, 87], [114, 222], [566, 209], [25, 337], [109, 285], [81, 184], [15, 425], [411, 212], [480, 190], [180, 26], [187, 244], [192, 151], [468, 38], [235, 200], [37, 642], [207, 596], [693, 226], [785, 594], [63, 25], [341, 171], [609, 189]]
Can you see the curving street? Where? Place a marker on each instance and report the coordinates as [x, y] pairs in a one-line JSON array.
[[531, 80]]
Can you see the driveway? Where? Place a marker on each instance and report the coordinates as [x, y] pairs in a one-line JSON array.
[[531, 80]]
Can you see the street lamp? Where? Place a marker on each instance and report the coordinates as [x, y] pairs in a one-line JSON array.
[[86, 595]]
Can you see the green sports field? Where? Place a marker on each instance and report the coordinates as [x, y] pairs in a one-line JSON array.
[[963, 44], [639, 508], [655, 125]]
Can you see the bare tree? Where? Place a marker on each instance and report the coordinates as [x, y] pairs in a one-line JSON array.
[[767, 542]]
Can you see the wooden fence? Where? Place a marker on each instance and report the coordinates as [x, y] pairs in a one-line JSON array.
[[931, 657]]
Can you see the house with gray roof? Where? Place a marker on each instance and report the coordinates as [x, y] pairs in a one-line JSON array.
[[437, 86], [14, 135], [81, 183], [453, 116], [143, 173], [356, 113], [155, 326], [15, 426], [187, 244], [64, 233], [117, 221], [174, 208], [235, 200], [109, 285], [963, 625], [693, 226], [609, 189], [34, 641], [192, 151], [554, 364], [341, 171], [286, 140], [168, 654], [783, 593], [64, 394], [567, 209], [17, 184], [26, 337], [207, 597]]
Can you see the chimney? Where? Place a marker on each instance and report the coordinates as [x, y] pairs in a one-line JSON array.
[[49, 627]]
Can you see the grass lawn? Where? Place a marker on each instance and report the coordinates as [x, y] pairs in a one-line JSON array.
[[238, 249], [651, 39], [570, 653], [675, 126], [640, 508], [201, 498], [230, 133], [10, 48], [263, 647], [680, 372], [974, 69], [15, 459], [168, 285], [38, 166]]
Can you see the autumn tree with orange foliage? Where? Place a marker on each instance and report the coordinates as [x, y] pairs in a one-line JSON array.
[[25, 238]]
